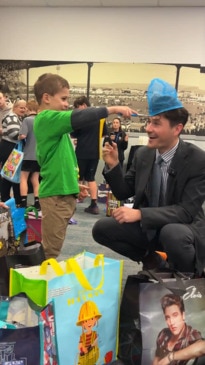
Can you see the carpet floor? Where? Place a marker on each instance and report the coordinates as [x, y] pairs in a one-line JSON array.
[[79, 238]]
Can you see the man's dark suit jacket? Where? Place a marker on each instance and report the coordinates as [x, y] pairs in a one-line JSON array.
[[184, 196]]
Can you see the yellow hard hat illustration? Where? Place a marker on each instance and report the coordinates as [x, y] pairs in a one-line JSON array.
[[87, 311]]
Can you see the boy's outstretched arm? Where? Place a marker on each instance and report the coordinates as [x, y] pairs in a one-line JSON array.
[[87, 117]]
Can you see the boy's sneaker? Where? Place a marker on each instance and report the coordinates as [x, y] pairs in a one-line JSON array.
[[92, 210]]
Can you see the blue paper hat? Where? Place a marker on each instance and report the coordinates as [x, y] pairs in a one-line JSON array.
[[161, 97]]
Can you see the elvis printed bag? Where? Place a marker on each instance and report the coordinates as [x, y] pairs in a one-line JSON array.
[[158, 319]]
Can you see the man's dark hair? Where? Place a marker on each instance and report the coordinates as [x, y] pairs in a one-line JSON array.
[[80, 101], [171, 299], [50, 84], [176, 116]]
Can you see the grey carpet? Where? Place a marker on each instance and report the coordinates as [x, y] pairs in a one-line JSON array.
[[79, 238]]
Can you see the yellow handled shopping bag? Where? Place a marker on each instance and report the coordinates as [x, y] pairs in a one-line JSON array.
[[50, 279], [87, 315]]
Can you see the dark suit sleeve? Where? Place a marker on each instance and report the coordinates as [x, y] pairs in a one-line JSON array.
[[87, 117], [123, 187]]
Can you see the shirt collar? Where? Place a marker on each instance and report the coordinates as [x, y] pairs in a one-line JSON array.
[[168, 155]]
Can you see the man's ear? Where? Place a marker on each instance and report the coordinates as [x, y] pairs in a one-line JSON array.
[[179, 127], [46, 98]]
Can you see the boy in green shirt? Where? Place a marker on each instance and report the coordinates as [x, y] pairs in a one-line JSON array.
[[56, 156]]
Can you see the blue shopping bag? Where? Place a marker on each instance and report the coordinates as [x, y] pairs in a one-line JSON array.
[[17, 216], [86, 316]]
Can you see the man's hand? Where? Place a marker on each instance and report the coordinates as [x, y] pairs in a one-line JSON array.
[[126, 215], [83, 192], [110, 154]]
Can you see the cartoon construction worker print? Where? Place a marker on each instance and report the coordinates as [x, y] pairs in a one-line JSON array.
[[88, 343]]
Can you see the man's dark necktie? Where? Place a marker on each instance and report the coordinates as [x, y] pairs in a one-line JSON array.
[[156, 183], [156, 190]]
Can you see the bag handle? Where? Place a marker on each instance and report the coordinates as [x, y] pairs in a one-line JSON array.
[[19, 146], [181, 290], [55, 265], [72, 266], [31, 209]]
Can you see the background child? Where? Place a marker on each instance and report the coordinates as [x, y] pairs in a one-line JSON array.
[[30, 167]]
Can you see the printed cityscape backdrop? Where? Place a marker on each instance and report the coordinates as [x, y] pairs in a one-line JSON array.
[[118, 83]]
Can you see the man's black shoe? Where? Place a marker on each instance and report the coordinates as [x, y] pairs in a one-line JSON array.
[[154, 261]]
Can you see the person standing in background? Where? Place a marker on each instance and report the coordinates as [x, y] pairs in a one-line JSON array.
[[10, 130], [5, 108], [118, 136], [30, 166], [88, 153]]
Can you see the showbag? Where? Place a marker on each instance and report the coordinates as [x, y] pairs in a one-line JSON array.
[[48, 336], [33, 221], [30, 255], [14, 252], [17, 216], [50, 278], [162, 322], [86, 316], [20, 332], [7, 241], [56, 278], [11, 170]]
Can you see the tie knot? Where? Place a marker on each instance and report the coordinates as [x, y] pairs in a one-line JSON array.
[[159, 160]]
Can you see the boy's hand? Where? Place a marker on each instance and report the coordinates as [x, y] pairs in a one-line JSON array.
[[124, 110], [83, 192]]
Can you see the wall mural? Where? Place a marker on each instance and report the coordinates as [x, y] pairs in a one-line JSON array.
[[117, 83]]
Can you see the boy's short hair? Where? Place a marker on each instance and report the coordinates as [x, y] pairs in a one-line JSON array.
[[80, 101], [49, 83]]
